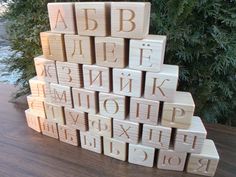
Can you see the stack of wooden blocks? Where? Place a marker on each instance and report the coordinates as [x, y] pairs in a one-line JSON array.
[[101, 84]]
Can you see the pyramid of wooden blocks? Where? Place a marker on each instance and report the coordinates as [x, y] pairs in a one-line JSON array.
[[101, 84]]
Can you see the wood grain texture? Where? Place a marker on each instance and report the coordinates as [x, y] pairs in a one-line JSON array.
[[192, 139], [127, 82], [162, 85], [49, 128], [112, 105], [62, 17], [93, 18], [32, 120], [69, 74], [76, 119], [179, 112], [36, 155], [36, 105], [171, 160], [126, 131], [144, 111], [100, 125], [206, 162], [147, 54], [156, 136], [85, 100], [45, 69], [111, 52], [79, 49], [115, 148], [141, 155], [130, 19], [54, 113], [38, 88], [97, 78], [68, 135], [53, 46], [91, 142], [61, 95]]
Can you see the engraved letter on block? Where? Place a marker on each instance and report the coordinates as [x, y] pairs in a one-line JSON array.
[[54, 113], [32, 120], [49, 128], [91, 142], [68, 135]]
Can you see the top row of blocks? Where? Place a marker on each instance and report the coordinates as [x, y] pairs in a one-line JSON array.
[[116, 19]]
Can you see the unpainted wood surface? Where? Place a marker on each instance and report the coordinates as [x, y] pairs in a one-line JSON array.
[[26, 153]]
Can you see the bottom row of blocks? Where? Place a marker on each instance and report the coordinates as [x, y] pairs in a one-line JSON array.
[[204, 163]]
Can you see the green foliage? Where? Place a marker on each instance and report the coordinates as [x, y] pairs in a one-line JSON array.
[[201, 40]]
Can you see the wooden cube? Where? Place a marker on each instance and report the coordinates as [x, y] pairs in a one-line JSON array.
[[62, 17], [61, 95], [130, 19], [32, 120], [79, 49], [45, 69], [54, 113], [206, 162], [115, 148], [36, 105], [141, 155], [38, 88], [126, 131], [97, 78], [144, 111], [100, 125], [171, 160], [68, 135], [85, 100], [111, 105], [91, 142], [156, 136], [93, 18], [192, 139], [111, 52], [49, 128], [53, 46], [69, 74], [127, 82], [147, 54], [76, 119], [179, 113], [162, 85]]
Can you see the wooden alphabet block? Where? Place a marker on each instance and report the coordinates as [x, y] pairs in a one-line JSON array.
[[111, 105], [179, 113], [147, 54], [100, 125], [53, 46], [171, 160], [93, 18], [85, 100], [144, 111], [62, 17], [61, 95], [141, 155], [36, 105], [49, 128], [97, 78], [45, 69], [156, 136], [192, 139], [162, 85], [115, 148], [127, 82], [79, 49], [69, 74], [206, 162], [76, 119], [130, 19], [32, 120], [68, 135], [38, 88], [91, 142], [126, 131], [54, 113], [111, 52]]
